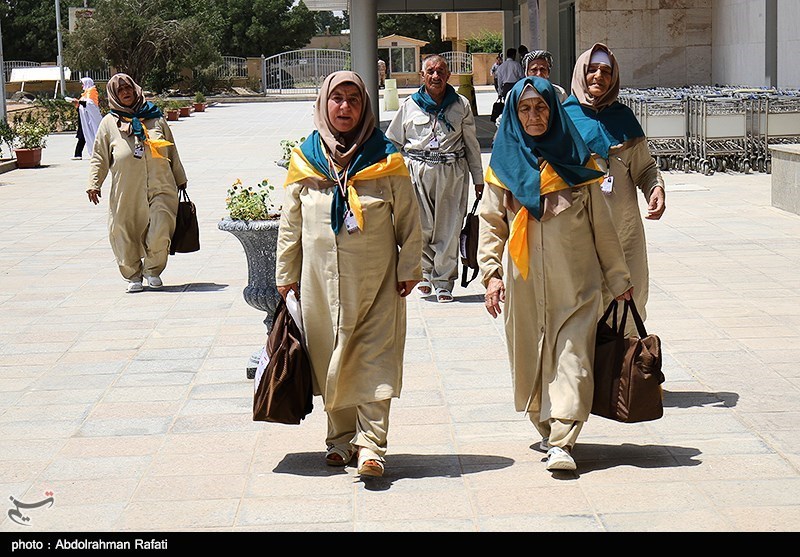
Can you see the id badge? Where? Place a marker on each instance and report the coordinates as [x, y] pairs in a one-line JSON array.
[[434, 143], [138, 150], [607, 185], [350, 222]]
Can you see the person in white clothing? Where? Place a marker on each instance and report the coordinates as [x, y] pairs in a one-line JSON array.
[[89, 117]]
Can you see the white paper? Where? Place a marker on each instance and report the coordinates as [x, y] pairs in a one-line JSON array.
[[262, 365], [607, 185], [293, 305]]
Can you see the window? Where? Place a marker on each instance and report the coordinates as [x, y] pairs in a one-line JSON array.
[[402, 60]]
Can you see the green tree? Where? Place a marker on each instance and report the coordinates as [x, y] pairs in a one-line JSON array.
[[256, 27], [330, 23], [486, 41], [29, 28], [150, 40], [425, 27]]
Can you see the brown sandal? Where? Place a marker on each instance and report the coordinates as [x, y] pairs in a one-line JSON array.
[[336, 456]]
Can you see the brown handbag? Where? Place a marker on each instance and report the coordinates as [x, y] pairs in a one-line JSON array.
[[627, 370], [284, 392]]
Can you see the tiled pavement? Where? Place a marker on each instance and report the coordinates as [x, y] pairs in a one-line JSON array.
[[134, 410]]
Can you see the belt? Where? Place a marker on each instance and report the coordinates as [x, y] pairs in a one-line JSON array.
[[433, 157]]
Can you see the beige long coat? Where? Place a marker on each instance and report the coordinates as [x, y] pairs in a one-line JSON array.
[[551, 318], [354, 318], [634, 170], [144, 195]]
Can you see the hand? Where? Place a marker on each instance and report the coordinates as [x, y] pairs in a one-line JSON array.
[[404, 287], [478, 190], [495, 293], [182, 186], [94, 196], [284, 290], [627, 295], [657, 204]]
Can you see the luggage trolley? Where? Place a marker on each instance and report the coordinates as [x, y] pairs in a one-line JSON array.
[[782, 115], [717, 133], [663, 116]]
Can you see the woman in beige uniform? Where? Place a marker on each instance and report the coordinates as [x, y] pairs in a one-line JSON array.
[[135, 144], [544, 210], [618, 143], [350, 244]]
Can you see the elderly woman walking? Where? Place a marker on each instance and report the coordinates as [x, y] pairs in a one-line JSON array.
[[135, 144], [350, 245], [542, 207], [615, 137]]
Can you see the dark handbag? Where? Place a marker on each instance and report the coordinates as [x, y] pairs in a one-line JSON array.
[[497, 109], [283, 393], [186, 237], [627, 370], [468, 246]]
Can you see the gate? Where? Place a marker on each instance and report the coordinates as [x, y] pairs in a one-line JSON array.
[[458, 62], [301, 71]]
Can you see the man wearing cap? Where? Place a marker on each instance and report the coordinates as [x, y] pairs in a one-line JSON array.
[[539, 63], [435, 130]]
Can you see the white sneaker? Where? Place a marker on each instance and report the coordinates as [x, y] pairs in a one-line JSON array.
[[559, 459], [154, 282], [135, 286]]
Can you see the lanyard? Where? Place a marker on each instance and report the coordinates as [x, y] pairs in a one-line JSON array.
[[340, 183]]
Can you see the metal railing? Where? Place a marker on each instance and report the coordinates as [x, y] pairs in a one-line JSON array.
[[458, 62], [301, 71], [232, 66], [11, 64], [96, 75]]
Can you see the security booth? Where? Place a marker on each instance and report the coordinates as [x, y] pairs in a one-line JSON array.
[[402, 57]]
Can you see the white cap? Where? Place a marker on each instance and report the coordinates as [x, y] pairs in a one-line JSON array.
[[529, 92], [601, 57]]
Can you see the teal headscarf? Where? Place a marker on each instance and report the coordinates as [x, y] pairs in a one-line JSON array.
[[602, 122], [375, 149], [426, 103], [515, 154], [141, 109]]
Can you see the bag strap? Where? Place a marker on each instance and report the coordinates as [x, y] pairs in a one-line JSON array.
[[474, 206], [636, 318], [612, 308], [182, 195], [464, 272]]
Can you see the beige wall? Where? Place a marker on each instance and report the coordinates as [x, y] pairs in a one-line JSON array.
[[657, 42], [458, 27]]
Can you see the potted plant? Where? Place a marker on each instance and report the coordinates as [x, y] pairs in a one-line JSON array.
[[185, 109], [286, 146], [199, 102], [31, 138], [172, 110], [7, 137], [253, 219]]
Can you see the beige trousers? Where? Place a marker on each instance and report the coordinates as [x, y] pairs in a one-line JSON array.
[[560, 433], [365, 426], [140, 233], [442, 192]]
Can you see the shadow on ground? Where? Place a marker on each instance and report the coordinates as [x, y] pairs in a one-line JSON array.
[[193, 287], [693, 399], [398, 467]]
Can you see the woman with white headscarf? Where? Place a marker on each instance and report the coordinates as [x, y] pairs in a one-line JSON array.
[[615, 137], [135, 145], [350, 245], [89, 117]]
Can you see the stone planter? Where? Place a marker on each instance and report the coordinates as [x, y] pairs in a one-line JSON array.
[[199, 107], [28, 158], [259, 238], [186, 111]]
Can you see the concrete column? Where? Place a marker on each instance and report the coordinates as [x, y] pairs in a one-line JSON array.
[[364, 46], [771, 39], [509, 41]]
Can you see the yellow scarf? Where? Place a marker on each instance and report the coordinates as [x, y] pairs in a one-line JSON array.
[[393, 165], [518, 237], [154, 144]]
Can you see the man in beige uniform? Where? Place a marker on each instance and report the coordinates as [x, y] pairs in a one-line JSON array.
[[435, 129]]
